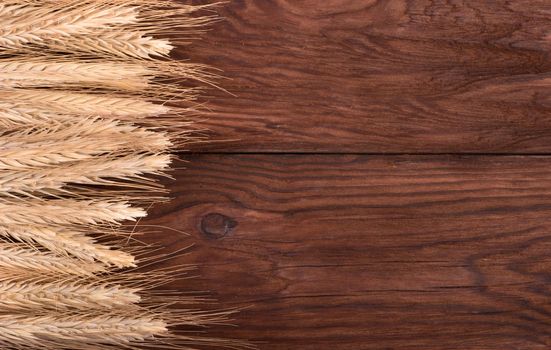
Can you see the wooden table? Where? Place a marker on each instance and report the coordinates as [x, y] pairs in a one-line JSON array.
[[381, 178]]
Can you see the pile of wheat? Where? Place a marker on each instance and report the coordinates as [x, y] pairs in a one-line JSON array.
[[85, 132]]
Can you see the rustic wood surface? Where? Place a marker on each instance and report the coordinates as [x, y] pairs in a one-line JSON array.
[[361, 248], [370, 252], [433, 76]]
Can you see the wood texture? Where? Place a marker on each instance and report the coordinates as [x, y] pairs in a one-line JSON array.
[[423, 76], [346, 250], [370, 252]]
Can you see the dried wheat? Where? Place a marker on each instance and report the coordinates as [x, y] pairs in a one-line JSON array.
[[23, 25], [84, 104], [65, 295], [121, 43], [56, 144], [25, 261], [66, 241], [48, 73], [66, 212], [87, 122], [126, 171], [55, 332]]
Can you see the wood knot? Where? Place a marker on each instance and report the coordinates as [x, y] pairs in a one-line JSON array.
[[216, 225]]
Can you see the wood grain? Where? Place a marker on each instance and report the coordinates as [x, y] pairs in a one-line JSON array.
[[369, 252], [330, 244], [370, 76]]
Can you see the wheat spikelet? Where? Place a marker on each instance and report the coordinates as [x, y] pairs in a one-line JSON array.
[[65, 295], [87, 104], [117, 135], [122, 44], [130, 31], [32, 24], [121, 171], [66, 212], [113, 140], [67, 242], [48, 73], [52, 332], [57, 144], [25, 261], [17, 115]]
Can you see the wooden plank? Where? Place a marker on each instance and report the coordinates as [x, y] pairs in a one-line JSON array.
[[369, 252], [380, 76]]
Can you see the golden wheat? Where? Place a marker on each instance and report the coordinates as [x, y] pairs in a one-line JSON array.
[[114, 44], [72, 74], [17, 115], [56, 144], [126, 171], [23, 261], [91, 105], [118, 28], [23, 25], [87, 104], [56, 332], [65, 295], [66, 212], [68, 242]]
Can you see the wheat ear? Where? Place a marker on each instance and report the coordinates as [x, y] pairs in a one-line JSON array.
[[106, 171], [68, 242], [67, 212], [57, 144], [123, 44], [23, 25], [65, 295], [22, 260], [48, 73], [85, 104], [17, 115], [51, 332]]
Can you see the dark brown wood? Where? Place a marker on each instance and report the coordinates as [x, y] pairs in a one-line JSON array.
[[344, 251], [369, 252], [426, 76]]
